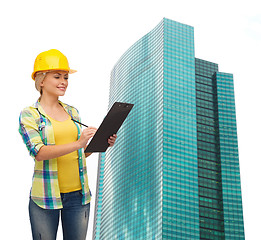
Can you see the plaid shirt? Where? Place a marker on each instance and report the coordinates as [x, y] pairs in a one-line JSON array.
[[36, 130]]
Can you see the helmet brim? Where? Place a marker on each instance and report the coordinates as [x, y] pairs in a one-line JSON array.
[[70, 71]]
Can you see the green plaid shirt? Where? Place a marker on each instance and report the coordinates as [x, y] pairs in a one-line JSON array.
[[36, 130]]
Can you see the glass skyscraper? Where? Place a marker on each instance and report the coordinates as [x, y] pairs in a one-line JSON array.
[[174, 171]]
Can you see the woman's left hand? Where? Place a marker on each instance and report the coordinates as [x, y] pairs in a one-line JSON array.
[[112, 140]]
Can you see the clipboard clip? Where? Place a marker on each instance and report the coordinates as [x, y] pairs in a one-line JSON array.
[[125, 105]]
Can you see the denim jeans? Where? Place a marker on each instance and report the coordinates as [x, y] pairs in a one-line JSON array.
[[74, 216]]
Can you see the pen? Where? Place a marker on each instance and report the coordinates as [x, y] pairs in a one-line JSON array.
[[79, 123]]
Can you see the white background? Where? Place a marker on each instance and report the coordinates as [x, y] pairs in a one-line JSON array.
[[94, 35]]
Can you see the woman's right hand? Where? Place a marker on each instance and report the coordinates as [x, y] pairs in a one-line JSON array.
[[87, 133]]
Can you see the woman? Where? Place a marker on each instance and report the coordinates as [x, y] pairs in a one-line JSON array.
[[56, 142]]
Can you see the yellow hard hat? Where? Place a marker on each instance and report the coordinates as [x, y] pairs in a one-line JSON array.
[[51, 60]]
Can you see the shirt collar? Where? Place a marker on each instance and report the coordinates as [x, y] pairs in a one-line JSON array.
[[38, 106]]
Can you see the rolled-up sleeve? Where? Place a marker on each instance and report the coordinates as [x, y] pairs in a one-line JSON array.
[[30, 133]]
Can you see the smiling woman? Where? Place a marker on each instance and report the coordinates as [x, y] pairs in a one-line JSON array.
[[55, 83], [60, 182], [40, 76]]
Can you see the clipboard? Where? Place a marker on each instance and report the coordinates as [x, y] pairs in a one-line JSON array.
[[110, 125]]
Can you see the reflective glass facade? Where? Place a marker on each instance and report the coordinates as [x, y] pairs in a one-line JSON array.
[[231, 186], [130, 184], [209, 164], [174, 173], [180, 170]]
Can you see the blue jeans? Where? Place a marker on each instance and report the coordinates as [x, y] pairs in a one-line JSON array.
[[74, 216]]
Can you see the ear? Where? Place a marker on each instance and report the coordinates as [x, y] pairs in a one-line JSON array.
[[41, 83]]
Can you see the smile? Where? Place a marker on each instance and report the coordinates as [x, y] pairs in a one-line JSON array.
[[62, 88]]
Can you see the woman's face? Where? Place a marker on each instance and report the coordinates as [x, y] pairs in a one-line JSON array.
[[55, 83]]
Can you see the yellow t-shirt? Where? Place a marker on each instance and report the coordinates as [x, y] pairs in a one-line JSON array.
[[68, 165]]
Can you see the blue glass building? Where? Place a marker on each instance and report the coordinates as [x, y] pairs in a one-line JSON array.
[[174, 172]]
